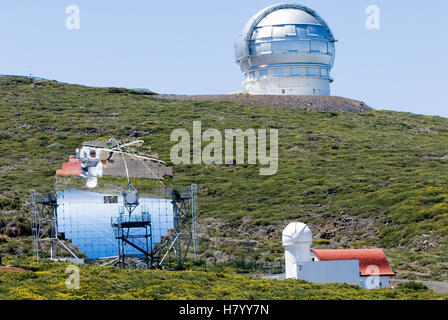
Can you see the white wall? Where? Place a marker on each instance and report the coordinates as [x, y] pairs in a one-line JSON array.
[[294, 256], [291, 86], [346, 271]]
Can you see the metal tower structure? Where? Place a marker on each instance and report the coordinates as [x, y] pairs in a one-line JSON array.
[[135, 230], [44, 226], [185, 226], [184, 234], [194, 218], [129, 227]]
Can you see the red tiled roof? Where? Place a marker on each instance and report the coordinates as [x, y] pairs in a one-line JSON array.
[[366, 258], [72, 167]]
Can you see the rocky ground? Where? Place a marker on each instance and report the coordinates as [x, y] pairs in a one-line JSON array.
[[319, 103]]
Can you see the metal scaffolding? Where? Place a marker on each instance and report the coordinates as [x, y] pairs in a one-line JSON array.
[[130, 230], [184, 234], [44, 227], [194, 219]]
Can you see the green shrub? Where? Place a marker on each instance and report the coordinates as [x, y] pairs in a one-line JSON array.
[[412, 285]]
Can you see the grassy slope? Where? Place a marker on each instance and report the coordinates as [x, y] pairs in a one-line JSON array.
[[47, 281], [375, 179]]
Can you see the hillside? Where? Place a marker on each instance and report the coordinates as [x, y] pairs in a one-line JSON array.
[[375, 178], [32, 283]]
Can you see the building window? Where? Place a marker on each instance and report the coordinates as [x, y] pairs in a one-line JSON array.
[[263, 48], [265, 32], [298, 71], [278, 72], [313, 31], [295, 72], [278, 31], [317, 31], [290, 31], [312, 72], [291, 46], [324, 73], [303, 46], [302, 31], [319, 46], [279, 46], [263, 73]]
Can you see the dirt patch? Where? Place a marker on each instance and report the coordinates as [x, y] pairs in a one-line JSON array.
[[11, 269], [319, 103]]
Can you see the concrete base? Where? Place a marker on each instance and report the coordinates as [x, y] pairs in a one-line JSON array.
[[289, 86]]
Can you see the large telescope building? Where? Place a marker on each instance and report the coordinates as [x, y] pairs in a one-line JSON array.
[[286, 49]]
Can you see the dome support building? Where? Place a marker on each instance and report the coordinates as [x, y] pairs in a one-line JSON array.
[[366, 267], [286, 49]]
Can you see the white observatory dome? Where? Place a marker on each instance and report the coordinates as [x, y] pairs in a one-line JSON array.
[[296, 233], [286, 49]]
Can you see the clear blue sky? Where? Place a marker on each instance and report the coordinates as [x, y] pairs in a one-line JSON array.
[[186, 47]]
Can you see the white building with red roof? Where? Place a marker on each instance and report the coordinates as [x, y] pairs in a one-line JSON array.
[[374, 269], [366, 267]]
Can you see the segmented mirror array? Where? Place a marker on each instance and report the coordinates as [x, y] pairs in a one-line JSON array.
[[85, 218]]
